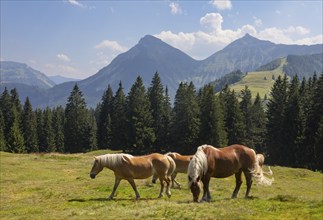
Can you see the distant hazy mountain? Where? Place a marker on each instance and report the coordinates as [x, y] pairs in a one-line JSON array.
[[20, 73], [152, 55], [61, 79], [247, 54]]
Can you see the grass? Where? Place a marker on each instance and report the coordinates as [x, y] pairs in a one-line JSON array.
[[57, 186], [259, 82]]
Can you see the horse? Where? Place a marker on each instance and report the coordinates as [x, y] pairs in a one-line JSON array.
[[261, 161], [209, 161], [182, 162], [128, 167]]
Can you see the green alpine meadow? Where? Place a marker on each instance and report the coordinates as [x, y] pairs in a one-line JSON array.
[[58, 186]]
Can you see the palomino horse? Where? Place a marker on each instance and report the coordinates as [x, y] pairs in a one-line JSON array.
[[210, 162], [128, 167], [182, 162], [261, 161]]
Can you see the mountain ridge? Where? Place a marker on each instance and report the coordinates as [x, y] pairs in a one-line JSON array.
[[152, 55]]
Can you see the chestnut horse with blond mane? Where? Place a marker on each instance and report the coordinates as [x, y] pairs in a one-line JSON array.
[[209, 161], [128, 167], [181, 162]]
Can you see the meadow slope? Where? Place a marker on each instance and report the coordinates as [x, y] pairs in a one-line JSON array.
[[57, 186], [260, 81]]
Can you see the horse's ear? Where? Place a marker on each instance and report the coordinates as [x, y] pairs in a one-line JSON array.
[[95, 158]]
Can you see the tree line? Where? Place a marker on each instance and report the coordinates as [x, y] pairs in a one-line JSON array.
[[287, 128]]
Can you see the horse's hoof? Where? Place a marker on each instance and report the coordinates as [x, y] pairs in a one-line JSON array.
[[110, 198], [138, 198], [205, 200], [169, 195]]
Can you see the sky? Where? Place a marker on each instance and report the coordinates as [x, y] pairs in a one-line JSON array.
[[75, 38]]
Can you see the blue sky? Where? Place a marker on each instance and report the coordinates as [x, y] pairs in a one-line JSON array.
[[77, 38]]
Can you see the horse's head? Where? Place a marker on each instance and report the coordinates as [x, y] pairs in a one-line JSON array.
[[96, 168], [195, 187]]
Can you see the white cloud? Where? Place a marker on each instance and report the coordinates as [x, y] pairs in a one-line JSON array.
[[221, 4], [212, 37], [77, 3], [212, 22], [111, 45], [257, 21], [175, 8], [63, 57], [62, 69], [108, 50]]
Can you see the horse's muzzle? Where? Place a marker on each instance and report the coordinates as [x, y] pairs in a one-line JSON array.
[[92, 175]]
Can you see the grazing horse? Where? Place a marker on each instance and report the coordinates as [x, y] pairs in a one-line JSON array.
[[210, 162], [182, 162], [261, 161], [128, 167]]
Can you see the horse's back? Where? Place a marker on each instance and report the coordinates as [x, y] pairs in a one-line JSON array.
[[224, 162], [181, 161]]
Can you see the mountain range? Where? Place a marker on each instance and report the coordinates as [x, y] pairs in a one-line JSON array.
[[152, 55]]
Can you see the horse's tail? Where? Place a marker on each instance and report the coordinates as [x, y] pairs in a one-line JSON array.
[[258, 174], [172, 167]]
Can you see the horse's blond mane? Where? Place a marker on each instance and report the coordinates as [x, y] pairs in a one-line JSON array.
[[113, 160], [258, 174], [198, 165]]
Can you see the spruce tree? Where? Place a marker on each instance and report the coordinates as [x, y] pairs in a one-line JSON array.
[[141, 132], [276, 109], [7, 109], [75, 122], [40, 129], [15, 141], [259, 121], [317, 127], [156, 98], [246, 109], [105, 120], [294, 127], [233, 117], [29, 128], [2, 137], [186, 126], [212, 129], [90, 134], [16, 101], [166, 121], [58, 128], [48, 132], [119, 126]]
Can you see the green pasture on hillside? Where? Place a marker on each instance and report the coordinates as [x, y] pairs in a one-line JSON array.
[[259, 82], [58, 186]]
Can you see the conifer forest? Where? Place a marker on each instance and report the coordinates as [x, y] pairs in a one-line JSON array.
[[287, 126]]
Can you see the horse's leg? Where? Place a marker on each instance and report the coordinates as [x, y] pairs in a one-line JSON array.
[[168, 193], [174, 181], [238, 184], [116, 184], [173, 176], [248, 176], [134, 187], [161, 194], [154, 179], [206, 191]]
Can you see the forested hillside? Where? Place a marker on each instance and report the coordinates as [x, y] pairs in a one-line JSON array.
[[289, 133], [303, 66]]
